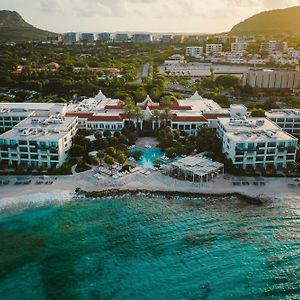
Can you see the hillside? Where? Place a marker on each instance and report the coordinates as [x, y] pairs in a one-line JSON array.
[[14, 28], [270, 22]]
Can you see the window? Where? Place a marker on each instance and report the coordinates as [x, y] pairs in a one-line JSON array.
[[3, 142], [53, 144], [290, 157], [251, 146], [271, 151], [23, 149]]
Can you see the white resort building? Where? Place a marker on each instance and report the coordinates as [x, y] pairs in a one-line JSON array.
[[287, 119], [38, 141], [256, 142], [102, 113], [13, 113]]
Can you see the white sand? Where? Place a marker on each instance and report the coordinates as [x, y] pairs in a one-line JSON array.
[[19, 196]]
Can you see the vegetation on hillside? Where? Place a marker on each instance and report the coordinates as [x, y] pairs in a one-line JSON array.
[[14, 28], [270, 22]]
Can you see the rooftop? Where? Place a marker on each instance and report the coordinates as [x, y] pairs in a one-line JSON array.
[[27, 107], [198, 165], [99, 103], [40, 128], [277, 113], [253, 129]]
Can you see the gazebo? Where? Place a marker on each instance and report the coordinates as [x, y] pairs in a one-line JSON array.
[[196, 168]]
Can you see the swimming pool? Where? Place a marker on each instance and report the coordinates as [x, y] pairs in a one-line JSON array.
[[149, 156]]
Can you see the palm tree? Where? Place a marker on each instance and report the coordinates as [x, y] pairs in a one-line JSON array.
[[156, 116], [138, 115], [166, 116], [129, 109]]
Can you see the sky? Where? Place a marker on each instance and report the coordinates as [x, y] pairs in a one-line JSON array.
[[185, 16]]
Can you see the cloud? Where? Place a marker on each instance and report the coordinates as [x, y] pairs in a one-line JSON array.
[[265, 4], [142, 15], [120, 8]]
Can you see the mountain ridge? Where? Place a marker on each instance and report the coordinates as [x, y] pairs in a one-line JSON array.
[[275, 21], [14, 28]]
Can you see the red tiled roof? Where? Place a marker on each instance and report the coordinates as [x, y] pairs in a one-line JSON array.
[[105, 119], [155, 105], [119, 105], [79, 115], [215, 116], [91, 117]]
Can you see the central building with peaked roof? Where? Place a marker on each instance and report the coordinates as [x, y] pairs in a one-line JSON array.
[[102, 113]]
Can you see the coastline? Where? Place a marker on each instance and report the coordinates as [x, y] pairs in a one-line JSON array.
[[74, 187], [120, 192]]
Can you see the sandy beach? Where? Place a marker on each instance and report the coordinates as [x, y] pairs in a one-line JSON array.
[[14, 197]]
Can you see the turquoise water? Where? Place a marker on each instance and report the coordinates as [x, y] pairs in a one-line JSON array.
[[149, 157], [146, 247]]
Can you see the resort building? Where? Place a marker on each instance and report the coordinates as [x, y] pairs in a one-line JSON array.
[[13, 113], [287, 119], [256, 142], [38, 141], [196, 52], [196, 168], [272, 79], [213, 48], [102, 113]]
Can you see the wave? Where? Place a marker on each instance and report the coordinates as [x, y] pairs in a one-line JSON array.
[[20, 202]]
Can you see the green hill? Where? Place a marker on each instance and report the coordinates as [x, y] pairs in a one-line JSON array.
[[270, 22], [14, 28]]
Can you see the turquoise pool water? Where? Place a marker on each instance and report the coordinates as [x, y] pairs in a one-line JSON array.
[[147, 247], [149, 157]]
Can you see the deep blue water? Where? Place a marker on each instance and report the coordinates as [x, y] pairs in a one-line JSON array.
[[141, 247]]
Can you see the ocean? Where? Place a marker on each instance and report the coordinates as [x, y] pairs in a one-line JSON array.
[[146, 246]]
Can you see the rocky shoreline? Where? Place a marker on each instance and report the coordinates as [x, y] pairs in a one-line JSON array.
[[120, 192]]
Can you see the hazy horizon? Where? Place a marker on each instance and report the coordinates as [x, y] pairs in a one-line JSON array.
[[182, 16]]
